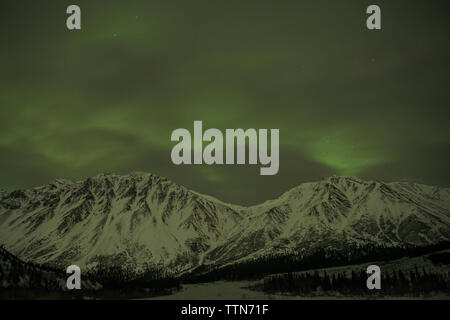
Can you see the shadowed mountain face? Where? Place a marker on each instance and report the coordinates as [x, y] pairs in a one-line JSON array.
[[141, 220]]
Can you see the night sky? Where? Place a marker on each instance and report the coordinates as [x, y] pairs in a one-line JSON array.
[[347, 101]]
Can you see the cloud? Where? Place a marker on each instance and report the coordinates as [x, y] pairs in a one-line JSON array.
[[346, 100]]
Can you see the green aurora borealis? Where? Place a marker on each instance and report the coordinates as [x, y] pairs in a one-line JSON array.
[[347, 101]]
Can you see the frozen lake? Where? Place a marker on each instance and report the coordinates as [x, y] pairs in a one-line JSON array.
[[219, 290]]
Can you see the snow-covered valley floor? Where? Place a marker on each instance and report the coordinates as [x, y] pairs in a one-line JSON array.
[[219, 290]]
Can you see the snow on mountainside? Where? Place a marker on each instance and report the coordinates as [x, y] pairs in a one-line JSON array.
[[142, 220], [339, 211], [132, 221]]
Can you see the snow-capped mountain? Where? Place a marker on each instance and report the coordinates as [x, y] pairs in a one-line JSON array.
[[142, 220], [337, 212]]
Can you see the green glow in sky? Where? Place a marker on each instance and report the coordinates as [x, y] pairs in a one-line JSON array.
[[347, 100]]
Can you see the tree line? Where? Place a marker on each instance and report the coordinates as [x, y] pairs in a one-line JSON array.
[[396, 282], [257, 268]]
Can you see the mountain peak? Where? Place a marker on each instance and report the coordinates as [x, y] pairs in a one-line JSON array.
[[62, 181], [142, 218], [133, 174], [336, 178]]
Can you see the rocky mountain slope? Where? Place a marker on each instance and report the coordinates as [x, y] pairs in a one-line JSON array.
[[142, 221]]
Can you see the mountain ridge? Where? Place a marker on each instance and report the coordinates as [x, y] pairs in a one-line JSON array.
[[142, 221]]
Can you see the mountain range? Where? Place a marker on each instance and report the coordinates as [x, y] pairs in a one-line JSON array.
[[142, 221]]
